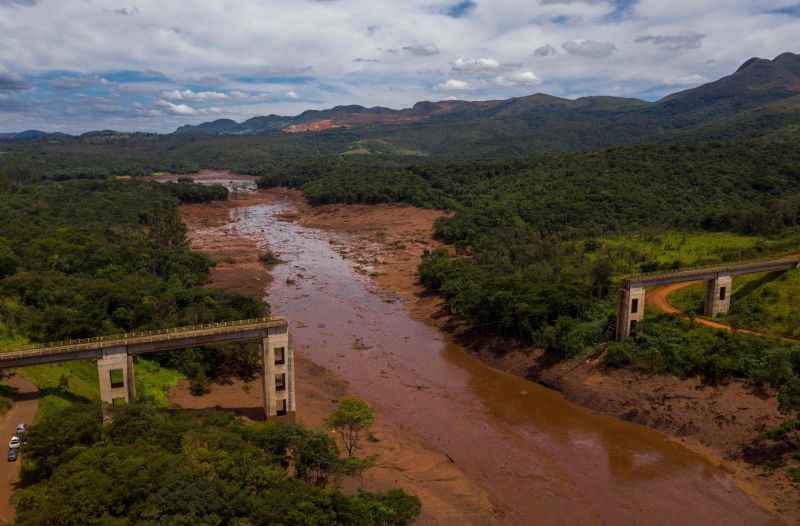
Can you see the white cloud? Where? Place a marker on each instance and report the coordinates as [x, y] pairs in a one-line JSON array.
[[292, 94], [176, 109], [520, 78], [475, 64], [194, 96], [454, 85]]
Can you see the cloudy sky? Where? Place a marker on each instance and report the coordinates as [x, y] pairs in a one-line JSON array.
[[76, 65]]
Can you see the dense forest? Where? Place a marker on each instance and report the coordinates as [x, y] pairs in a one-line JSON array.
[[152, 466], [87, 258]]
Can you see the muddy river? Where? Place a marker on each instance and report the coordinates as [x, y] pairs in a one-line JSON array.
[[542, 459]]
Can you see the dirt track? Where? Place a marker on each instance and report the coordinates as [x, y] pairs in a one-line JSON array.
[[26, 402], [659, 299]]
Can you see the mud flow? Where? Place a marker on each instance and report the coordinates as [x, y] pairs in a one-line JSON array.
[[542, 459]]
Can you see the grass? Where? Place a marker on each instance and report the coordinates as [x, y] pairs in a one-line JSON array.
[[81, 384], [677, 249], [768, 302], [63, 384], [153, 382]]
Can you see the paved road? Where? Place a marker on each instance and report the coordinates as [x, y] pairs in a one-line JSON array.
[[26, 403]]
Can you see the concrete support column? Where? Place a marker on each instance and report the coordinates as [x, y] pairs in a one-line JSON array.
[[718, 295], [630, 311], [115, 373], [278, 384]]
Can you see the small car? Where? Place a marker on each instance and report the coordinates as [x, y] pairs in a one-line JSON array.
[[22, 429], [15, 442], [12, 455]]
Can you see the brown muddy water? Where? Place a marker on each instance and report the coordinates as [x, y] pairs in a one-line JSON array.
[[542, 459]]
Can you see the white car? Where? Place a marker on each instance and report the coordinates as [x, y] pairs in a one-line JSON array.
[[15, 442], [21, 429]]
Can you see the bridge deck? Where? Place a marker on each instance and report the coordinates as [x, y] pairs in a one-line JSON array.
[[143, 342], [710, 272]]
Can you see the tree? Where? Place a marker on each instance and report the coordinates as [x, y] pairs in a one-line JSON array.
[[351, 418]]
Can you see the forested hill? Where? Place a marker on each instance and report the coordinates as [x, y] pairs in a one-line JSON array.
[[762, 95]]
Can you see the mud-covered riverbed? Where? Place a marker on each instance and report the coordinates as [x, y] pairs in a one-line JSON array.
[[541, 459]]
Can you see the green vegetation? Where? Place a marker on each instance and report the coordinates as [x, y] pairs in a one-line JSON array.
[[151, 466], [666, 344], [669, 249], [350, 420], [768, 303], [6, 393], [88, 258], [538, 244]]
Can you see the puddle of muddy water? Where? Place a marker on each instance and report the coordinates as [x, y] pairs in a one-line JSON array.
[[544, 460]]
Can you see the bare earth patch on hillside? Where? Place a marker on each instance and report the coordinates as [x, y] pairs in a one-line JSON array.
[[717, 422]]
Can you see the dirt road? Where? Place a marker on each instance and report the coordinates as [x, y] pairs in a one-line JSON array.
[[26, 402], [659, 299]]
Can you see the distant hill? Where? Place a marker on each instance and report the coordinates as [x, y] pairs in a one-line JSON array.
[[761, 96], [28, 135]]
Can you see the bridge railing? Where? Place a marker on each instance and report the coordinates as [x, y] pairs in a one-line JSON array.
[[718, 267], [160, 334]]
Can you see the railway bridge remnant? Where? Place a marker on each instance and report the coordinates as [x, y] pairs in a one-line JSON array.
[[115, 365], [718, 279]]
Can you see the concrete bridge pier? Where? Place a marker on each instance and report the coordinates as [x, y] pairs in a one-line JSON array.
[[278, 374], [718, 295], [630, 310], [117, 381]]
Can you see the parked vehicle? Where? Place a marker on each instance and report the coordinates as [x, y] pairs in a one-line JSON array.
[[12, 455], [22, 429], [15, 442]]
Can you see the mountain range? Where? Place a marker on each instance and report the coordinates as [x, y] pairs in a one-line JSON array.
[[760, 97]]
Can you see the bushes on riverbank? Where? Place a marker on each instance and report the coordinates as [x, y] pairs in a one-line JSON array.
[[666, 344]]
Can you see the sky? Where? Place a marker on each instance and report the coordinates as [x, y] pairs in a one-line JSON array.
[[154, 65]]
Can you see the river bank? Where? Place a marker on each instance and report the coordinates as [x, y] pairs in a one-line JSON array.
[[723, 423], [347, 289]]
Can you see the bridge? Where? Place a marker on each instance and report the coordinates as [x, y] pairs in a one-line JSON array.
[[718, 279], [115, 365]]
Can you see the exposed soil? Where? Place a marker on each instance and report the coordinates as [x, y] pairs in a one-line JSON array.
[[238, 268], [26, 402], [721, 423]]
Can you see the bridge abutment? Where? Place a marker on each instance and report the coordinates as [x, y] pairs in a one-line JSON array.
[[117, 381], [630, 311], [718, 295]]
